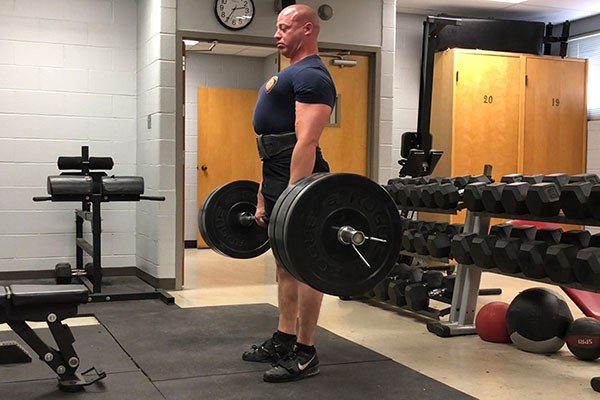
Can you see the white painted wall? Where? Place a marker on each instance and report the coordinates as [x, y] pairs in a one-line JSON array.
[[270, 66], [354, 21], [409, 34], [67, 79], [203, 70], [155, 222]]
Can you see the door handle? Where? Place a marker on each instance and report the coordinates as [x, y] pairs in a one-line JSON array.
[[204, 167]]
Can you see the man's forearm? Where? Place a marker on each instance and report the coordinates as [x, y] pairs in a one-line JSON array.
[[303, 161], [260, 200]]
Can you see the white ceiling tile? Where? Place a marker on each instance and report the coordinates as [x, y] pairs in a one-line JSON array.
[[581, 5], [538, 10]]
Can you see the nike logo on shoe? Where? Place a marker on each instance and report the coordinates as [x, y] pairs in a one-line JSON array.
[[302, 367]]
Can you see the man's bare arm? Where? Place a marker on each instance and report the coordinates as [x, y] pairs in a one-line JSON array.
[[310, 121]]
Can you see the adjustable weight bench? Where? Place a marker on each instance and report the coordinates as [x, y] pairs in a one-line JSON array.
[[51, 304]]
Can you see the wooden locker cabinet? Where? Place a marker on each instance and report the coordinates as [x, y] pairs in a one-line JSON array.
[[518, 112]]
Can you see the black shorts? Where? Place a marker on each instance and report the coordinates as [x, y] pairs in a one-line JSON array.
[[276, 176]]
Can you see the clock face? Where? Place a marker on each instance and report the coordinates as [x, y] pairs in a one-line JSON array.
[[234, 14]]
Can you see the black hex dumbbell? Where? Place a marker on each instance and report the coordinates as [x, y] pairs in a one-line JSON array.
[[411, 273], [396, 290], [560, 259], [417, 294], [408, 236], [460, 248], [380, 290], [482, 247], [416, 193], [506, 251], [447, 196], [393, 190], [403, 195], [472, 196], [438, 244], [587, 177], [448, 284], [491, 196], [433, 279], [428, 191], [543, 199], [532, 254], [420, 238], [492, 193], [511, 178], [514, 194], [574, 197], [587, 268], [401, 180]]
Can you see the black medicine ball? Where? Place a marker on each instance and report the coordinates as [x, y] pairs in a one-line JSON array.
[[583, 339], [537, 321]]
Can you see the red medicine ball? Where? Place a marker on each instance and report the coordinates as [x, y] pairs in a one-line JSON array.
[[491, 322]]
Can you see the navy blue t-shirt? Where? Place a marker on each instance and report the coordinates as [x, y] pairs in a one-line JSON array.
[[307, 81]]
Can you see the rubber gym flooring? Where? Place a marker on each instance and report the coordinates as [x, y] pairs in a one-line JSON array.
[[154, 351]]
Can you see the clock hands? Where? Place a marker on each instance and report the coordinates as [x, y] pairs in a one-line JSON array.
[[232, 11]]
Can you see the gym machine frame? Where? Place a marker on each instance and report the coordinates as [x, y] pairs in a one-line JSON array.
[[91, 211]]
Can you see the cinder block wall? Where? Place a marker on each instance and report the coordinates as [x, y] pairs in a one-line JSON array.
[[156, 154], [67, 79]]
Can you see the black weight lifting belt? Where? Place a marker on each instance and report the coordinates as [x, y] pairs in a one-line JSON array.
[[270, 146]]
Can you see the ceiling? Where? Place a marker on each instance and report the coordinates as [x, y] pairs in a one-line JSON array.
[[554, 11], [231, 50]]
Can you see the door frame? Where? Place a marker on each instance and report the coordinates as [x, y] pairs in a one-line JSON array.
[[374, 91]]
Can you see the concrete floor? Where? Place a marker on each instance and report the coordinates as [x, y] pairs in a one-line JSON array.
[[481, 369]]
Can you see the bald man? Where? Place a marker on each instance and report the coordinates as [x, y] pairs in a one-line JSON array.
[[292, 109]]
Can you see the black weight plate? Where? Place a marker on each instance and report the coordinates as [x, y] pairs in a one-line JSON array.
[[276, 224], [219, 223], [310, 241], [277, 210]]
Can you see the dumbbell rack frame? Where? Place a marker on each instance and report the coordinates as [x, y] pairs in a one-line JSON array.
[[468, 277]]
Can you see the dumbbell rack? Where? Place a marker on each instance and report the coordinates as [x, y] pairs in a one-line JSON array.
[[468, 277]]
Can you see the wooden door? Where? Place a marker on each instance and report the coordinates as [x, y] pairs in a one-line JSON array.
[[345, 144], [226, 140], [486, 114], [555, 117]]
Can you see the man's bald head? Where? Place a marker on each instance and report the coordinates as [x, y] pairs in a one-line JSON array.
[[302, 14], [297, 31]]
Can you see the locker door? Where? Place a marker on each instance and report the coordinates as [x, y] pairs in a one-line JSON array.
[[554, 126], [486, 113]]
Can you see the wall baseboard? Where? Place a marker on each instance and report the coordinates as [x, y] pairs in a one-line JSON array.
[[162, 283]]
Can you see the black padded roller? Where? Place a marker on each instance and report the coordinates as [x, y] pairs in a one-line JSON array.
[[65, 185], [132, 185], [65, 163]]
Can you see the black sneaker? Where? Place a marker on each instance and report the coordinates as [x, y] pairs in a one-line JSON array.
[[268, 352], [292, 367]]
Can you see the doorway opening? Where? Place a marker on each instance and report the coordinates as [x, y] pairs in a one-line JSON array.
[[220, 85]]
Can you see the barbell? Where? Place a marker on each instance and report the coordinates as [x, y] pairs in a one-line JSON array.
[[338, 233]]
